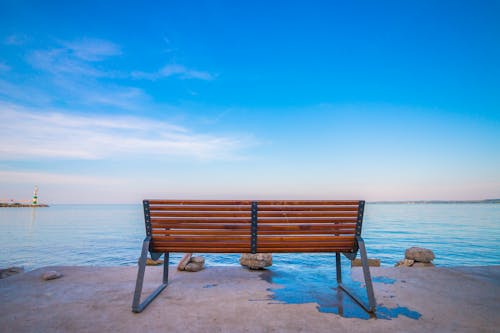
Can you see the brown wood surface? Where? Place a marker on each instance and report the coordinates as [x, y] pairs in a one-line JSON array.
[[195, 232], [200, 202], [200, 214], [201, 220], [296, 220], [300, 238], [221, 226], [203, 208], [249, 202], [306, 227], [202, 238], [224, 226], [308, 208], [262, 249], [201, 249], [307, 214], [207, 245]]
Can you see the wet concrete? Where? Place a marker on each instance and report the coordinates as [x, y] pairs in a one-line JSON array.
[[319, 286]]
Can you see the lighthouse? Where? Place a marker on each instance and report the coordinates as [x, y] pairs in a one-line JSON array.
[[35, 196]]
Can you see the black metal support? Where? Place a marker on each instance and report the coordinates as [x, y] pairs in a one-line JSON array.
[[368, 280], [339, 268], [253, 241], [137, 306]]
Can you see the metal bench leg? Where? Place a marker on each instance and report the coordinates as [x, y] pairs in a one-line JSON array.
[[368, 280], [136, 305]]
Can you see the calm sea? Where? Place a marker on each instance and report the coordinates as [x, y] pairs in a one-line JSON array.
[[107, 235]]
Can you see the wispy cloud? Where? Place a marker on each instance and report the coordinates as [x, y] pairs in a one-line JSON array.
[[76, 58], [15, 40], [93, 49], [28, 134], [42, 178], [174, 70], [59, 61]]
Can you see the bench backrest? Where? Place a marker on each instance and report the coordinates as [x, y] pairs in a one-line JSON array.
[[245, 226]]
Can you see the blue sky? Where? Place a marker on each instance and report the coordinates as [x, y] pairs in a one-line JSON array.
[[115, 102]]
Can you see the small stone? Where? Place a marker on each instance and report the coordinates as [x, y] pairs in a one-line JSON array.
[[423, 264], [419, 254], [151, 262], [5, 273], [371, 263], [51, 275], [405, 263], [256, 261], [193, 267], [198, 260], [184, 261]]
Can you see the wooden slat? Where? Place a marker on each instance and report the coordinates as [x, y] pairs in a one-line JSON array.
[[302, 250], [307, 202], [322, 238], [203, 244], [200, 214], [291, 220], [202, 226], [211, 238], [201, 249], [297, 246], [260, 202], [178, 220], [200, 202], [308, 232], [194, 232], [307, 214], [308, 208], [304, 227], [204, 208]]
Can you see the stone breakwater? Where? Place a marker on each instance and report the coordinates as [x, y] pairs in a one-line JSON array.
[[19, 205]]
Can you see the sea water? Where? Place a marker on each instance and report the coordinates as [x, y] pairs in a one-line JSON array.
[[109, 235]]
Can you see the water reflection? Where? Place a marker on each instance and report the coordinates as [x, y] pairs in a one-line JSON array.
[[33, 218]]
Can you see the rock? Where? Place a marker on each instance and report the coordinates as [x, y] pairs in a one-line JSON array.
[[423, 264], [51, 275], [184, 261], [193, 267], [419, 254], [405, 263], [151, 262], [371, 263], [256, 261], [198, 260], [191, 264], [5, 273]]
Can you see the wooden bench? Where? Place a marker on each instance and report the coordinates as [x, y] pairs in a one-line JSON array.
[[264, 226]]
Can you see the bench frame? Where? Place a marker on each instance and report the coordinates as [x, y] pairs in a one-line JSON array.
[[138, 307]]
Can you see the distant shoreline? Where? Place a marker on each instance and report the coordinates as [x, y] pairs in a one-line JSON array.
[[19, 205], [494, 201]]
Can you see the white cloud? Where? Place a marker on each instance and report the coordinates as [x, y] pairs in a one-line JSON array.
[[29, 134], [89, 49], [60, 61], [42, 178], [15, 40], [171, 70], [76, 58]]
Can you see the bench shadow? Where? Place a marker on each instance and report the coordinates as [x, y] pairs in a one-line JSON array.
[[318, 285]]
